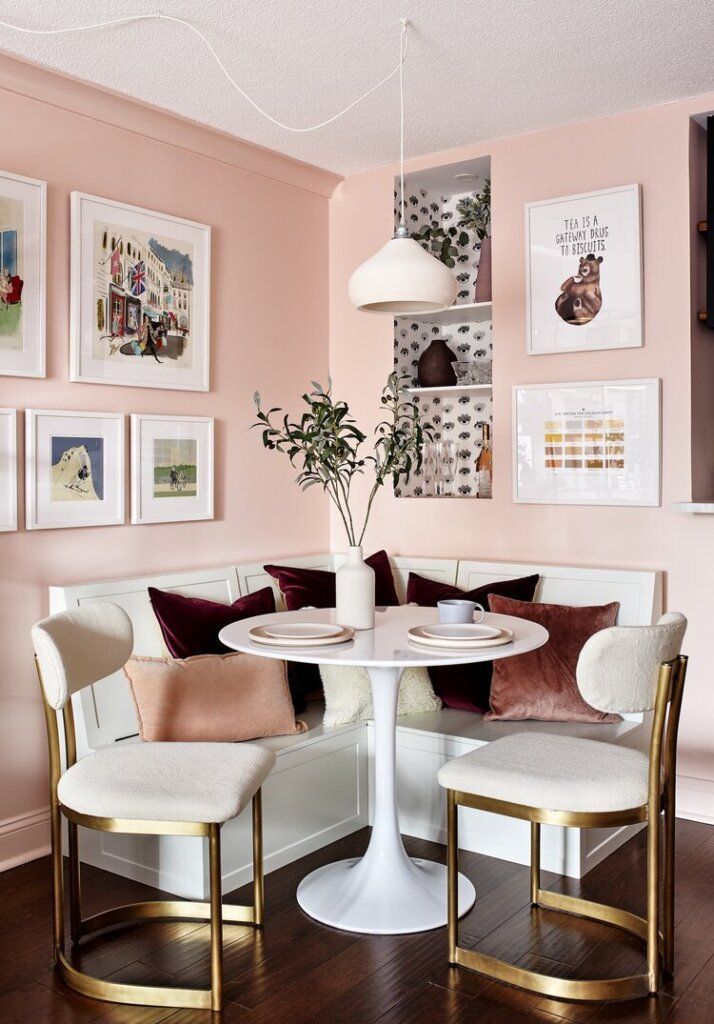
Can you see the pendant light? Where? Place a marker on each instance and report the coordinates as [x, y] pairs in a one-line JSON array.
[[402, 277]]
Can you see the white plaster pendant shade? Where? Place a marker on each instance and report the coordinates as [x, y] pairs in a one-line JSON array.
[[402, 278]]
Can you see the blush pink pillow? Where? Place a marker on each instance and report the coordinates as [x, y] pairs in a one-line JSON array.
[[211, 697], [542, 684]]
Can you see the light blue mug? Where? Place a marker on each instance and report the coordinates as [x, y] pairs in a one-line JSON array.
[[458, 610]]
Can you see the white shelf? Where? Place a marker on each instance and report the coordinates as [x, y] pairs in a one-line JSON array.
[[467, 389], [696, 507], [471, 313]]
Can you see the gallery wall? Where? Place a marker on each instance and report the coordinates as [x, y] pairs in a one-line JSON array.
[[652, 147], [269, 330]]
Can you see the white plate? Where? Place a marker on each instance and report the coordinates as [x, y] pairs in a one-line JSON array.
[[301, 630], [460, 631], [417, 635], [260, 635]]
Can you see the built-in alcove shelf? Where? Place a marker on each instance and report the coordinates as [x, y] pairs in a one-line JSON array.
[[464, 313], [464, 389], [456, 413], [695, 507]]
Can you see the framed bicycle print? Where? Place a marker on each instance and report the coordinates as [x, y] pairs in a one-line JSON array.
[[140, 297], [171, 468], [590, 443], [23, 231]]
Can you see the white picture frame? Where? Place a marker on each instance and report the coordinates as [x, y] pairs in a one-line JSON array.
[[74, 469], [587, 443], [584, 272], [8, 470], [129, 266], [23, 260], [172, 468]]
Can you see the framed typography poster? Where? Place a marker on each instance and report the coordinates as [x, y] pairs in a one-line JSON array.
[[591, 443], [584, 272]]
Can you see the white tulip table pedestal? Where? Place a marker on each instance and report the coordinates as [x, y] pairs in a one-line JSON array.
[[385, 892]]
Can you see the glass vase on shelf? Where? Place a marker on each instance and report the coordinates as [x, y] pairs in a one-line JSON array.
[[484, 465]]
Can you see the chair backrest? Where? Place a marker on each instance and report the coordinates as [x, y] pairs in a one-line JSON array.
[[78, 647], [618, 668]]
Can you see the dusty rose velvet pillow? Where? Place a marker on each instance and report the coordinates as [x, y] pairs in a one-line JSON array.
[[465, 687], [542, 684], [212, 697], [315, 588]]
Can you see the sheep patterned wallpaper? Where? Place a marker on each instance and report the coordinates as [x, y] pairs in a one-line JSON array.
[[455, 416]]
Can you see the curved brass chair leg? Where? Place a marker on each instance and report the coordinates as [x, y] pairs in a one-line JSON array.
[[535, 862], [75, 904]]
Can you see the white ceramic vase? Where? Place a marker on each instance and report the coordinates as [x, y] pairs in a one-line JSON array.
[[354, 583]]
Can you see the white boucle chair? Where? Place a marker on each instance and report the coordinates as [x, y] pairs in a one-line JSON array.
[[186, 789], [564, 780]]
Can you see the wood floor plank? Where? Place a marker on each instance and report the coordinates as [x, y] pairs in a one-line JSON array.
[[297, 971]]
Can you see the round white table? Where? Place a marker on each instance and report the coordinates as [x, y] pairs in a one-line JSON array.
[[385, 892]]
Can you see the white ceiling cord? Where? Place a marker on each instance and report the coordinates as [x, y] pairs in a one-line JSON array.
[[160, 16]]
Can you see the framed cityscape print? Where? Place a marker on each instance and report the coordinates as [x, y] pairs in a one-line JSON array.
[[584, 272], [593, 443], [74, 469], [8, 469], [140, 302], [171, 468], [23, 226]]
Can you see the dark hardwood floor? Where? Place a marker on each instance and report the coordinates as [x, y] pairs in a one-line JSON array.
[[297, 971]]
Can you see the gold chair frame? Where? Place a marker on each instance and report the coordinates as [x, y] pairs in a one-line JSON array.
[[660, 801], [214, 910]]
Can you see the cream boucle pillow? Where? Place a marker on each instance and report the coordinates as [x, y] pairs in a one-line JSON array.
[[348, 694]]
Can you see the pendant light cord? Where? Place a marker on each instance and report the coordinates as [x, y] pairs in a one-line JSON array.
[[159, 16], [402, 54]]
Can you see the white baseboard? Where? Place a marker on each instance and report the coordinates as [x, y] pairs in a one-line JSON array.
[[695, 799], [24, 838]]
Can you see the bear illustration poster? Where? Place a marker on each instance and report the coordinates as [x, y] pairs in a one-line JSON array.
[[584, 272]]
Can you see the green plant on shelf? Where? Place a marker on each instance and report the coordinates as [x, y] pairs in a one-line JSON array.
[[475, 212], [442, 243]]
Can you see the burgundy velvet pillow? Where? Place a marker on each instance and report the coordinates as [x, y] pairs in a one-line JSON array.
[[190, 626], [542, 684], [466, 687], [303, 588]]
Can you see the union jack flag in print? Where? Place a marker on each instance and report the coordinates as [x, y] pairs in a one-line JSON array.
[[137, 278]]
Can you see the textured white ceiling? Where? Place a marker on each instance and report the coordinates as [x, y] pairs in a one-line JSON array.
[[476, 69]]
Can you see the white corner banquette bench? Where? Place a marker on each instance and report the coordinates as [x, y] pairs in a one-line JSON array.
[[320, 788]]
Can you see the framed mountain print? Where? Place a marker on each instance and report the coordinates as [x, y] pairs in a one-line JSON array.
[[140, 303], [584, 272], [74, 469], [23, 220], [171, 468], [592, 443], [8, 469]]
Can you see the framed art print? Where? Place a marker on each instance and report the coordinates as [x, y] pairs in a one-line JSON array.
[[74, 471], [140, 302], [23, 222], [584, 272], [593, 443], [8, 469], [171, 468]]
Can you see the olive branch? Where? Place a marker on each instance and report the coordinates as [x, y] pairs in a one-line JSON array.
[[326, 444]]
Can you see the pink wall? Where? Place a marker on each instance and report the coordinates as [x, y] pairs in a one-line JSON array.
[[269, 321], [651, 147]]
